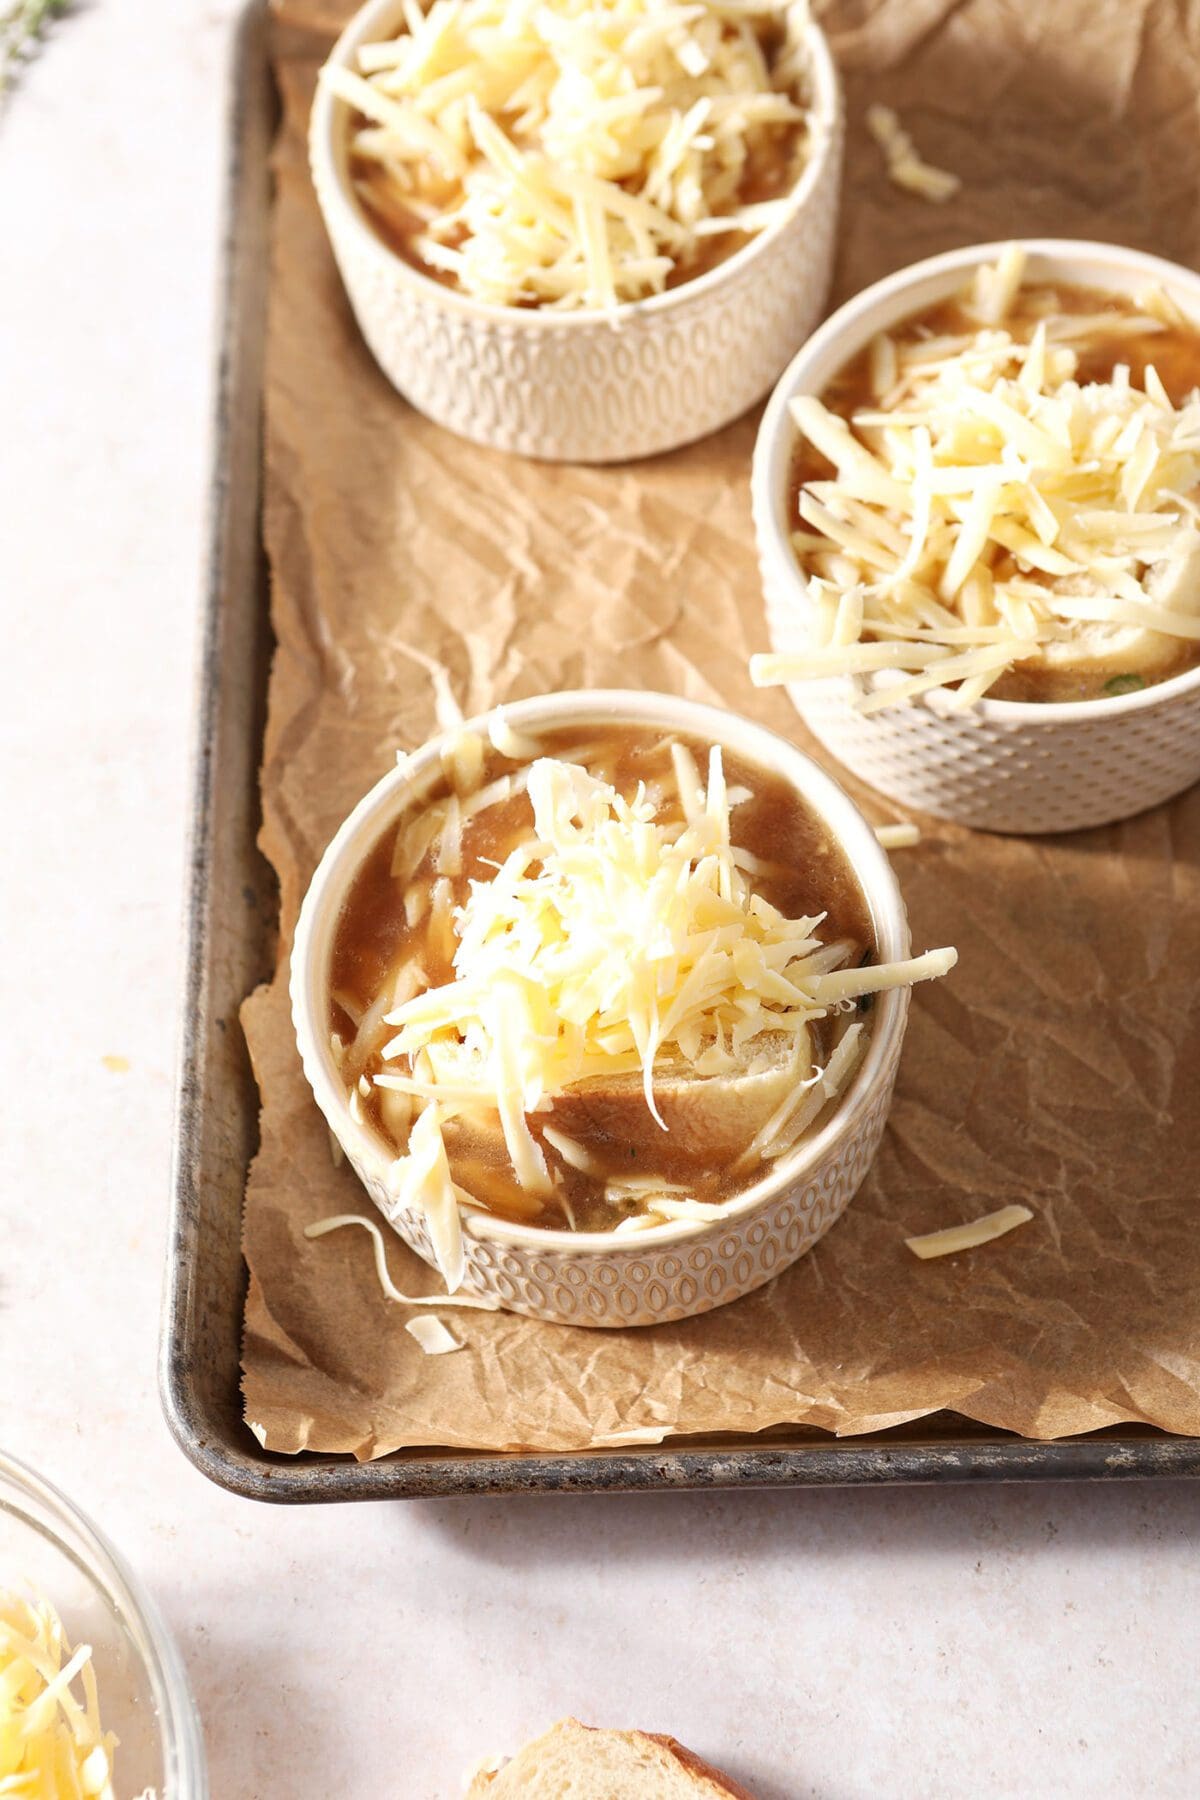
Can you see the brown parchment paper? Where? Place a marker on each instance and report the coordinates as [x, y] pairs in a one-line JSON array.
[[1056, 1066]]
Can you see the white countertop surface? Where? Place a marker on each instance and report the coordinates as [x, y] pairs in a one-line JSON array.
[[1009, 1642]]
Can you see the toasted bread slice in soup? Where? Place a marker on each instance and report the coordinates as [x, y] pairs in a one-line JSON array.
[[706, 1119], [575, 1762], [1100, 650]]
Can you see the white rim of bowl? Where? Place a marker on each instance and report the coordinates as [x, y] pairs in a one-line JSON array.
[[853, 322], [184, 1763], [326, 128], [404, 786]]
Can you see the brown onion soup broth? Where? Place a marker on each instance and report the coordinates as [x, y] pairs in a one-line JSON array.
[[1175, 354], [809, 875], [773, 166]]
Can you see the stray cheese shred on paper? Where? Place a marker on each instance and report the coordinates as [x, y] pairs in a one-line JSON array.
[[907, 169], [603, 940], [901, 836], [573, 153], [969, 1237], [991, 508], [483, 1302], [434, 1338]]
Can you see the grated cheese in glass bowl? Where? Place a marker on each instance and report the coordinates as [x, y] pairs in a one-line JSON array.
[[94, 1700]]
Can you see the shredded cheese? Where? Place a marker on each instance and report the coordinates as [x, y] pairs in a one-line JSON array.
[[799, 1110], [574, 153], [992, 510], [482, 1302], [52, 1743], [434, 1338], [610, 941], [574, 1154], [462, 760], [956, 1238], [898, 837], [905, 167], [508, 742], [664, 1206]]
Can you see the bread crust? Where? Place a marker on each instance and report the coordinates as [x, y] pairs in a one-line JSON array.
[[710, 1783], [695, 1765]]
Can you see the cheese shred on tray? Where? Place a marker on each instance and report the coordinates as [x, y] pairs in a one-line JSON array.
[[905, 167], [578, 153], [1003, 496], [601, 989]]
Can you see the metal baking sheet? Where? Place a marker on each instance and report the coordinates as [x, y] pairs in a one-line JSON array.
[[231, 915]]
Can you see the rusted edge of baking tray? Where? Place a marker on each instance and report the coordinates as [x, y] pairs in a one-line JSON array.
[[231, 912]]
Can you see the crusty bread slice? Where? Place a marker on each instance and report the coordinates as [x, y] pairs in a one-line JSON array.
[[709, 1119], [576, 1762], [1097, 650]]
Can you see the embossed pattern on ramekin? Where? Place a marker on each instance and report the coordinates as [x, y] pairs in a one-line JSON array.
[[999, 767], [996, 772], [585, 387], [670, 1271], [652, 1286]]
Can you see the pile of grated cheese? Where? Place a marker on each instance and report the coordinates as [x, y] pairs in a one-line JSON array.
[[989, 508], [609, 939], [574, 153], [52, 1745]]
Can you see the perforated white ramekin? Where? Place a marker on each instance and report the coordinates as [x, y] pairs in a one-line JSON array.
[[588, 386], [671, 1271], [1005, 765]]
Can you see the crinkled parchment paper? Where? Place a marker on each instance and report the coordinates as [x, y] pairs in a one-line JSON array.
[[1059, 1065]]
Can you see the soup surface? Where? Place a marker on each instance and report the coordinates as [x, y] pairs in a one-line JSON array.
[[398, 934], [1167, 346]]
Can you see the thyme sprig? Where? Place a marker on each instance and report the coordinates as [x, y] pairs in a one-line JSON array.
[[22, 23]]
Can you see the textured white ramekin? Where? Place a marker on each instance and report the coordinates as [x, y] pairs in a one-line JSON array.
[[1005, 765], [588, 386], [670, 1271]]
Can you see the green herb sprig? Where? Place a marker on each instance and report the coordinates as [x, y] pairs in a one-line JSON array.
[[22, 23]]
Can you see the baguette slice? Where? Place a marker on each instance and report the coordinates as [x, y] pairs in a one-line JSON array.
[[709, 1119], [576, 1762], [1100, 650]]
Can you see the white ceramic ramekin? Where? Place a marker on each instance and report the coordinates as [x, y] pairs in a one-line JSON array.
[[674, 1270], [1005, 765], [588, 386]]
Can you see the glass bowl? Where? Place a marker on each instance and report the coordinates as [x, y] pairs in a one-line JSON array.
[[49, 1550]]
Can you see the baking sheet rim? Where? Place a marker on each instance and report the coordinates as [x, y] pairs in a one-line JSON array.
[[877, 1459]]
